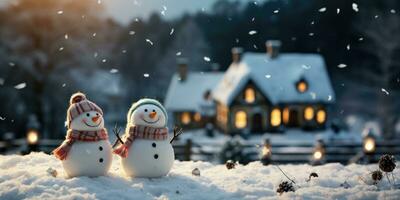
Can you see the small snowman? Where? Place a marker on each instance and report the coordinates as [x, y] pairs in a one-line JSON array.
[[86, 150], [146, 150]]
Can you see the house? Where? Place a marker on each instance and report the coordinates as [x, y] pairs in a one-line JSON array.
[[188, 100], [261, 92]]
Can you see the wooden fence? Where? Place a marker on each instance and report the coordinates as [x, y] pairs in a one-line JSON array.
[[280, 153]]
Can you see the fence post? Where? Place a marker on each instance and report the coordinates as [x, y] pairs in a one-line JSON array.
[[188, 150]]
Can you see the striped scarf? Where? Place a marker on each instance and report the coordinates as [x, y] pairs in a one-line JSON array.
[[140, 132], [73, 135]]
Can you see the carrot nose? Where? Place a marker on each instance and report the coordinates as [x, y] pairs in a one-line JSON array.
[[94, 119], [152, 115]]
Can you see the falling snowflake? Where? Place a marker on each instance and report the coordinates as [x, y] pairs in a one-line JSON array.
[[1, 81], [98, 1], [311, 34], [384, 91], [11, 64], [113, 71], [178, 53], [360, 39], [149, 41], [60, 12], [341, 65], [61, 48], [104, 60], [252, 32], [2, 118], [355, 7], [172, 31], [131, 32], [207, 59], [376, 16], [20, 86], [329, 97], [66, 36], [95, 54], [306, 66], [337, 10], [123, 51], [255, 46], [276, 11], [164, 9], [348, 47], [313, 95], [323, 9], [63, 85], [268, 76], [146, 75], [393, 11], [94, 34], [252, 19]]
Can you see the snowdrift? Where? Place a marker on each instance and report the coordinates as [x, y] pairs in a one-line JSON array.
[[27, 177]]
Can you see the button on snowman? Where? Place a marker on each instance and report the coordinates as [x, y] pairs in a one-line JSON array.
[[146, 151], [86, 150]]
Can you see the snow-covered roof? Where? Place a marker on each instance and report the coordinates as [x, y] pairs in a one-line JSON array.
[[277, 78], [187, 95]]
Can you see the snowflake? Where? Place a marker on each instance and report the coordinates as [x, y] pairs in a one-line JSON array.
[[20, 86], [61, 48], [113, 71], [341, 65], [131, 32], [207, 59], [384, 91], [337, 10], [60, 12], [252, 32], [355, 7], [323, 9], [172, 31], [178, 53], [66, 36], [146, 75], [268, 76], [276, 11], [149, 41], [11, 64]]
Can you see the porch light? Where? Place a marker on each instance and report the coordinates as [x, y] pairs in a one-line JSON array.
[[302, 86], [321, 116], [369, 143], [286, 115], [32, 137], [185, 118], [319, 153], [275, 117], [197, 117], [309, 113], [249, 95], [266, 153], [240, 119]]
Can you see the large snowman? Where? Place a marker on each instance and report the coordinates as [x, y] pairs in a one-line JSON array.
[[146, 151], [86, 150]]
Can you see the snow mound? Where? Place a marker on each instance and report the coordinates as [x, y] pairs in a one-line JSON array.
[[27, 177]]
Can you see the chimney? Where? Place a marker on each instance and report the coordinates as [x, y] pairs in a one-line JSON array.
[[236, 54], [273, 47], [182, 68]]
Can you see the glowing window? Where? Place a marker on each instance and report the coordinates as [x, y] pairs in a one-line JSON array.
[[321, 116], [240, 119], [197, 117], [285, 115], [275, 117], [185, 118], [302, 86], [249, 95], [308, 113]]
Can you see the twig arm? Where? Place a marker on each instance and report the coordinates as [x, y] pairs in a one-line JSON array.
[[116, 131], [176, 134]]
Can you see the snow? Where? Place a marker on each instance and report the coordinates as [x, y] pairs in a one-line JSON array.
[[30, 177], [187, 95], [285, 71]]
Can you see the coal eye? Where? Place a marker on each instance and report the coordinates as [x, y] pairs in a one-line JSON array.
[[97, 114], [145, 110], [87, 114], [154, 110]]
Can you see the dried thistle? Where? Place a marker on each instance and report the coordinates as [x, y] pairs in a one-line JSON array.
[[196, 172], [387, 163], [285, 186], [313, 174], [376, 176], [230, 164]]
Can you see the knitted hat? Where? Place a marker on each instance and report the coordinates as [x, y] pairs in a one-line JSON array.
[[78, 104], [143, 102]]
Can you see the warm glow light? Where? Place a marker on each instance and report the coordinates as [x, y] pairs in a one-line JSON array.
[[185, 118], [308, 113], [32, 137], [197, 117], [285, 115], [317, 155], [302, 86], [369, 144], [266, 150], [249, 95], [275, 117], [240, 119], [321, 116], [222, 114]]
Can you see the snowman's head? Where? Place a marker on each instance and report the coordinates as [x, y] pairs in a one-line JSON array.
[[147, 112], [84, 115], [88, 121]]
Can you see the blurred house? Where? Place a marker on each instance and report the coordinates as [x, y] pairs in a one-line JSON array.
[[259, 92]]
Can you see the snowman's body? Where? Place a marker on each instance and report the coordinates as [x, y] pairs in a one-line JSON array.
[[88, 159], [149, 158]]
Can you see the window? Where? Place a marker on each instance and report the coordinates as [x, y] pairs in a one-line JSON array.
[[321, 116], [302, 86], [249, 95], [197, 117], [240, 119], [185, 118], [308, 113], [285, 115], [275, 117]]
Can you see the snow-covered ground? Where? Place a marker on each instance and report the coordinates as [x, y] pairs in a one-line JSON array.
[[26, 177]]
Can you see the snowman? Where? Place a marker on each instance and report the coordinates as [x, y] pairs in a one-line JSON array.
[[146, 150], [86, 150]]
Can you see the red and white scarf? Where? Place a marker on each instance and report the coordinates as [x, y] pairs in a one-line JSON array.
[[73, 135], [140, 132]]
